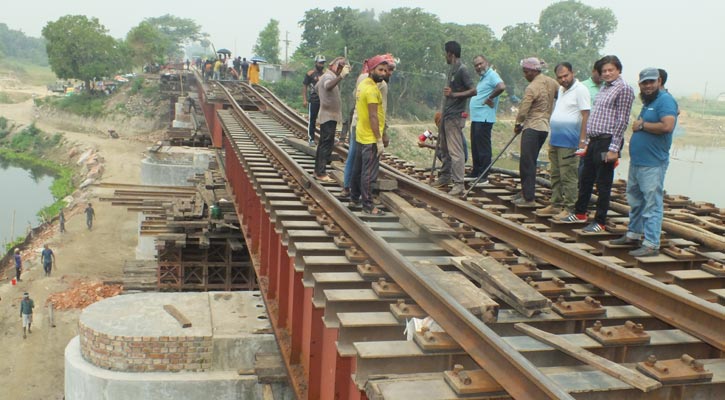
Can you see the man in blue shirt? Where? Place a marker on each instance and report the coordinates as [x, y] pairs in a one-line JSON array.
[[649, 153], [484, 106], [47, 258]]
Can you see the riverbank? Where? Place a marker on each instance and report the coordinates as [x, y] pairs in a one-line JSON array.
[[35, 370]]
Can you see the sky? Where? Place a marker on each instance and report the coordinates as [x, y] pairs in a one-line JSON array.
[[683, 37]]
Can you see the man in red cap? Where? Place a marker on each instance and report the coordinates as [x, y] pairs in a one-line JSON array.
[[369, 135]]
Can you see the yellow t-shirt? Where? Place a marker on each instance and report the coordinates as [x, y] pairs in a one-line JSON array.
[[368, 93]]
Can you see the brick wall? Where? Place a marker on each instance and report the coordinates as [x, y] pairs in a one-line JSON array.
[[145, 354]]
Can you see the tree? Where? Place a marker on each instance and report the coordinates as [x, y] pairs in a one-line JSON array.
[[267, 45], [147, 44], [80, 48], [15, 44], [577, 32], [176, 32]]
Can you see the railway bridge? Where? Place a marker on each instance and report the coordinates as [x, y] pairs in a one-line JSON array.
[[446, 298]]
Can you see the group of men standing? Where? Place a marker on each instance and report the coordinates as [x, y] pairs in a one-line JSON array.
[[590, 120], [587, 122], [239, 69]]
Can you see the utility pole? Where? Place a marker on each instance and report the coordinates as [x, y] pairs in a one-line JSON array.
[[286, 47]]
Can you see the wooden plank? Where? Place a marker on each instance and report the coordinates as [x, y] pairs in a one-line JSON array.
[[498, 280], [462, 289], [304, 147], [613, 369], [415, 219], [181, 318]]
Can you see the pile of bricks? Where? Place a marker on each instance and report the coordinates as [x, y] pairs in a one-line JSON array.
[[146, 354], [82, 294]]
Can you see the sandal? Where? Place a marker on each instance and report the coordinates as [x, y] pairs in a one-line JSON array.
[[373, 211], [344, 194], [324, 178]]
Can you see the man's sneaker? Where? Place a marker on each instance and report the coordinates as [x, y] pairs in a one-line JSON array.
[[549, 210], [517, 196], [625, 240], [574, 218], [593, 227], [564, 213], [457, 190], [439, 183], [523, 202], [311, 143], [644, 251]]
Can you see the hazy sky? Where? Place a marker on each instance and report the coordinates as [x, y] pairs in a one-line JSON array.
[[680, 36]]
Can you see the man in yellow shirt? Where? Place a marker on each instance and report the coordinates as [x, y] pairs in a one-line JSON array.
[[368, 135]]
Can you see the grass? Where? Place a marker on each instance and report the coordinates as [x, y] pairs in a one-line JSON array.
[[85, 105]]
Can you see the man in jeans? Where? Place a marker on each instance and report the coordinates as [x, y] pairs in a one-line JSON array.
[[533, 120], [605, 136], [649, 154], [328, 90]]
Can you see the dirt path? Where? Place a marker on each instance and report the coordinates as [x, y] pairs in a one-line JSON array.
[[33, 368]]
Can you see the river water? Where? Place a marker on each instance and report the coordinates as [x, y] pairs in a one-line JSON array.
[[24, 192]]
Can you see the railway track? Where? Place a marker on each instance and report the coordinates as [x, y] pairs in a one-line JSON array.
[[340, 286]]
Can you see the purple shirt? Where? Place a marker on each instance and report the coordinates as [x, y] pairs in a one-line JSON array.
[[18, 261], [610, 112]]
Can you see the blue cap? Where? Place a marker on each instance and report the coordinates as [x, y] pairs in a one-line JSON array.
[[649, 74]]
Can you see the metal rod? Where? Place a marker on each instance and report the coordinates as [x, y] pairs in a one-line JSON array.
[[485, 171]]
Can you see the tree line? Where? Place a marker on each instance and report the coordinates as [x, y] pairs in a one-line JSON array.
[[566, 31], [15, 44]]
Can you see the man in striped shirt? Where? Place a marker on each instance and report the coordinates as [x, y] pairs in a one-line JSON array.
[[605, 135]]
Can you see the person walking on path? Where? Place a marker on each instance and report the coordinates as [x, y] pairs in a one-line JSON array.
[[369, 136], [26, 313], [90, 216], [459, 87], [61, 221], [605, 136], [649, 156], [47, 258], [310, 98], [483, 114], [532, 122], [18, 264], [328, 89], [568, 131]]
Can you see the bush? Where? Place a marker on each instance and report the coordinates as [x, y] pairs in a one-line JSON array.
[[136, 85], [85, 105]]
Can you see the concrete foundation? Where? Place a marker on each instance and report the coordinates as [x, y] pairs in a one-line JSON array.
[[174, 165], [234, 323]]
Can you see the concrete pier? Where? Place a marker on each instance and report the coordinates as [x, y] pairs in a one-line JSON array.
[[129, 347]]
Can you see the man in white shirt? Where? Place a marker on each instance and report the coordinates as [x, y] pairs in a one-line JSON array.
[[568, 131]]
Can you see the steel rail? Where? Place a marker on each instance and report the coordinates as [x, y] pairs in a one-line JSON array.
[[517, 375], [692, 314]]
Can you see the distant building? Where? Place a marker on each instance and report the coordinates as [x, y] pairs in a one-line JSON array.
[[721, 97]]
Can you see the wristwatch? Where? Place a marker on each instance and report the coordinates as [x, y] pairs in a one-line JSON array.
[[641, 126]]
